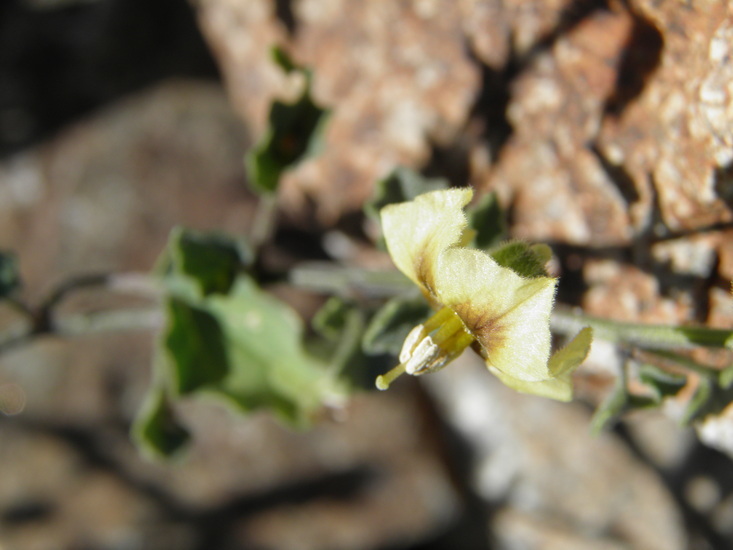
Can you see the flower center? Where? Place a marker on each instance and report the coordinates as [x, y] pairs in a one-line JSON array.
[[430, 346]]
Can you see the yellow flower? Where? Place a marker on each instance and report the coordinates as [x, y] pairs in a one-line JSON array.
[[503, 316]]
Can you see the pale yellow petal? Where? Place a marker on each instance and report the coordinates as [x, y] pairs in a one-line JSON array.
[[561, 365], [417, 231], [560, 388], [508, 315]]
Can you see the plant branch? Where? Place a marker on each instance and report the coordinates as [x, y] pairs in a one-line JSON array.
[[80, 324], [41, 320], [569, 322]]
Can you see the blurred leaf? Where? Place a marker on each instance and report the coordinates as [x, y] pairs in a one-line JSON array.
[[709, 399], [699, 402], [524, 259], [388, 328], [725, 378], [211, 260], [295, 132], [196, 347], [403, 184], [283, 60], [332, 318], [246, 347], [612, 408], [341, 323], [9, 274], [487, 219], [663, 383], [565, 360], [268, 365], [156, 430]]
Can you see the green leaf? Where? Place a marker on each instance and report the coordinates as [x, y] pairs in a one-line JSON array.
[[341, 323], [663, 383], [725, 378], [612, 408], [524, 259], [699, 405], [283, 60], [486, 218], [246, 348], [295, 132], [332, 318], [268, 365], [564, 361], [402, 184], [211, 260], [195, 345], [709, 399], [388, 328], [156, 430], [9, 274]]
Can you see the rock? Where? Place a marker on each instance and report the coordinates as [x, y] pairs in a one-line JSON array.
[[552, 480], [392, 87]]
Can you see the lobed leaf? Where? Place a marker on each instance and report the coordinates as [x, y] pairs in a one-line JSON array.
[[210, 260], [295, 132], [9, 274], [156, 429]]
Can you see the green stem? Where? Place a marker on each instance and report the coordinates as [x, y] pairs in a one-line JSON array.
[[642, 335], [347, 281], [81, 324], [685, 362], [264, 221]]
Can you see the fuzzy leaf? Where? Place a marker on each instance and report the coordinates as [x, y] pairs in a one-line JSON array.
[[565, 360], [156, 430], [524, 259]]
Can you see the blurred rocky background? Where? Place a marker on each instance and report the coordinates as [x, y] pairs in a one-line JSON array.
[[605, 128]]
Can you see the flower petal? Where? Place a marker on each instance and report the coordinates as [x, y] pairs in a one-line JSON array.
[[508, 314], [416, 232], [560, 388], [561, 365]]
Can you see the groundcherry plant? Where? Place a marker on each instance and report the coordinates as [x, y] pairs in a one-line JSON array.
[[501, 311]]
